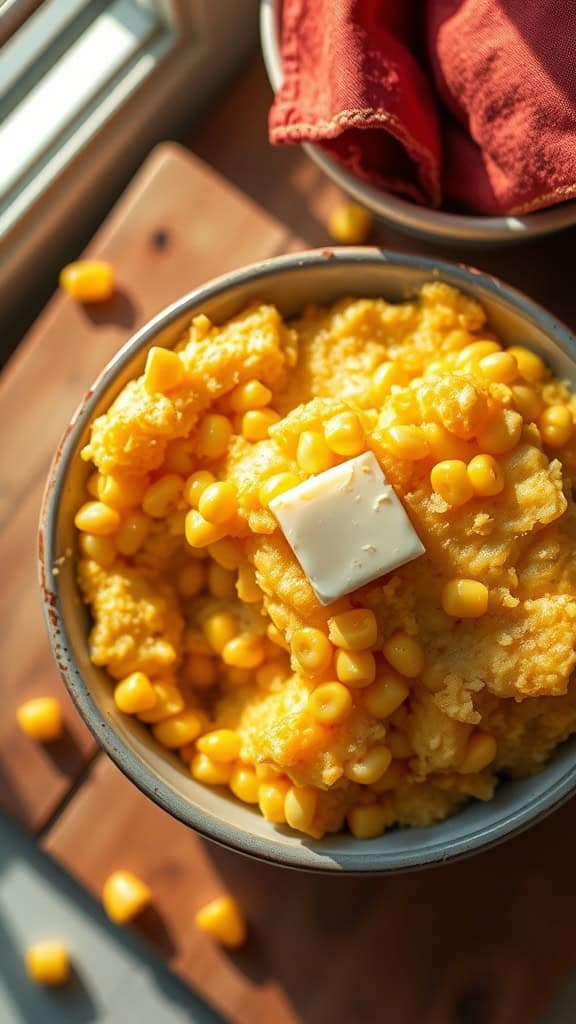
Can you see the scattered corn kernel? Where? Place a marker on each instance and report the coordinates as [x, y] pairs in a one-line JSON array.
[[451, 481], [219, 629], [344, 434], [121, 490], [214, 435], [480, 752], [385, 695], [124, 896], [162, 496], [405, 654], [500, 367], [527, 402], [97, 518], [195, 486], [275, 485], [217, 503], [257, 422], [169, 701], [443, 444], [247, 586], [366, 821], [222, 919], [300, 807], [465, 599], [221, 745], [384, 378], [250, 395], [406, 441], [221, 582], [132, 533], [271, 799], [227, 552], [174, 732], [313, 454], [355, 668], [41, 719], [99, 549], [349, 223], [180, 457], [486, 476], [212, 773], [244, 784], [88, 280], [368, 769], [471, 355], [134, 694], [556, 426], [199, 532], [191, 579], [311, 650], [48, 963], [244, 651], [501, 432], [164, 371], [354, 630], [92, 484], [330, 703], [530, 366]]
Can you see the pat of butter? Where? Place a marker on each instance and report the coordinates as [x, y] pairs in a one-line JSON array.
[[346, 527]]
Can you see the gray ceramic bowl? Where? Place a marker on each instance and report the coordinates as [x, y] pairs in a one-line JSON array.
[[291, 282], [432, 225]]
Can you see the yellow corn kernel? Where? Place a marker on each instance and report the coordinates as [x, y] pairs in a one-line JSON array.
[[311, 650], [180, 457], [210, 772], [451, 481], [169, 701], [556, 426], [92, 484], [176, 523], [368, 769], [195, 486], [244, 651], [97, 518], [244, 784], [471, 355], [530, 366], [163, 372], [227, 552], [124, 896], [199, 532], [313, 454], [48, 963], [330, 703], [355, 630], [385, 695], [88, 280], [383, 380], [221, 582], [405, 654], [275, 485], [355, 668], [393, 777], [528, 402], [250, 395], [222, 919], [174, 732], [99, 549], [247, 587], [219, 629], [201, 671], [443, 444], [406, 441], [221, 745], [300, 807], [465, 599], [366, 821], [344, 434], [162, 496], [349, 223], [271, 799], [217, 502], [135, 693], [214, 435], [501, 432], [191, 579], [480, 752], [276, 637], [486, 476], [500, 367], [256, 423], [41, 719], [132, 533], [121, 490]]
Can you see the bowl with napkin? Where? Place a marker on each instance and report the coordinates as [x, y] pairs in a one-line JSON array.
[[451, 120]]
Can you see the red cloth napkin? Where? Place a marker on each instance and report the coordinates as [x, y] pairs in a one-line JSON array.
[[465, 103]]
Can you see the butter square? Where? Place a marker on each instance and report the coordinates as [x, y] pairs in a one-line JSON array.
[[346, 527]]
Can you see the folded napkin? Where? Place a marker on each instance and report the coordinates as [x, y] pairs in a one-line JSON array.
[[469, 104]]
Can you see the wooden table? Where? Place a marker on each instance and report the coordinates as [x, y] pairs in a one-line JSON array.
[[486, 941]]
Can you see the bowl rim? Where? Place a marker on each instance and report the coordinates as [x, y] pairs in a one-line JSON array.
[[303, 855], [416, 220]]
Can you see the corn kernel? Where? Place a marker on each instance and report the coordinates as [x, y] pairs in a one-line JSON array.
[[311, 650], [368, 769], [300, 807], [47, 963], [199, 532], [135, 693], [500, 367], [257, 422], [244, 784], [313, 454], [41, 719], [214, 433], [219, 629], [180, 457], [169, 701], [221, 745], [100, 549], [349, 223], [480, 752], [443, 444], [247, 586], [88, 280], [330, 703], [92, 484], [383, 380], [486, 476], [121, 490], [132, 533], [556, 426], [191, 579], [471, 355], [162, 496], [271, 799], [195, 486], [406, 441], [385, 695], [355, 668], [355, 630], [124, 896], [344, 434], [201, 671], [244, 651], [194, 641], [210, 772], [528, 403], [221, 582], [465, 599], [530, 366], [405, 654], [450, 480], [179, 729], [250, 395], [366, 821], [275, 485], [97, 518], [393, 777], [164, 371], [222, 919], [227, 552], [217, 502], [501, 432]]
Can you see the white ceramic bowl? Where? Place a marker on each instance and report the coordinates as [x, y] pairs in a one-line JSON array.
[[291, 282], [432, 225]]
